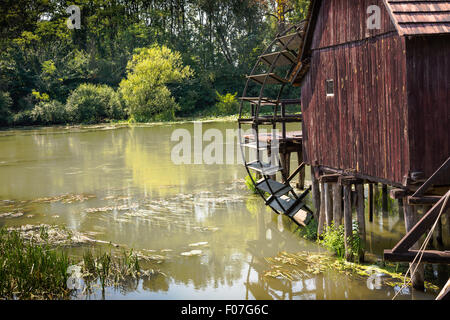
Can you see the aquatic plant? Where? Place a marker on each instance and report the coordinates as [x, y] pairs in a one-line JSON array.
[[250, 185], [309, 231], [333, 239], [295, 266]]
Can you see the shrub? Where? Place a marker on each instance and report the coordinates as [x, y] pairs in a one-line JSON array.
[[5, 105], [49, 112], [145, 90], [227, 104], [91, 103]]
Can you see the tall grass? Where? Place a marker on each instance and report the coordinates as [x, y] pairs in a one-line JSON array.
[[38, 270], [31, 271]]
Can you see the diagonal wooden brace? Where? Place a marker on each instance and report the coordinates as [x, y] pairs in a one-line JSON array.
[[420, 228]]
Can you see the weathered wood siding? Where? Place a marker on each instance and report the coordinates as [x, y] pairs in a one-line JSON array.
[[428, 69], [343, 21], [363, 128]]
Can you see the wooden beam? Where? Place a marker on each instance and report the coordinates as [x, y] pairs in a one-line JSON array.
[[445, 166], [445, 293], [420, 228], [429, 256], [424, 200], [398, 193], [330, 178], [299, 168]]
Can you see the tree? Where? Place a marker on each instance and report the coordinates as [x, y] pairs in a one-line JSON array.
[[145, 90]]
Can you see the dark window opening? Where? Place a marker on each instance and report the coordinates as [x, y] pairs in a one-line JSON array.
[[330, 88]]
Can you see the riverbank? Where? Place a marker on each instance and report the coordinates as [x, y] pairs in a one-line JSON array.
[[123, 124]]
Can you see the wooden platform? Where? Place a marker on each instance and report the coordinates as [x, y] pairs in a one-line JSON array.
[[267, 138]]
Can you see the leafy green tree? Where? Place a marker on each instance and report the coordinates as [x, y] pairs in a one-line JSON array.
[[227, 104], [5, 104], [145, 90]]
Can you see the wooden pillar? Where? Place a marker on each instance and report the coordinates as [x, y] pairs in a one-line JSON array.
[[348, 221], [384, 203], [328, 204], [337, 204], [320, 228], [301, 175], [370, 200], [437, 235], [286, 164], [410, 220], [315, 194], [360, 210], [272, 160]]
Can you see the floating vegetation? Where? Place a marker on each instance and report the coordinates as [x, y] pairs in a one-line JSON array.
[[198, 244], [11, 215], [65, 198], [54, 236], [192, 253], [294, 267]]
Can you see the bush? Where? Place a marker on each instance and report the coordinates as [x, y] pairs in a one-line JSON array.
[[23, 118], [145, 90], [5, 105], [227, 104], [94, 103], [49, 112]]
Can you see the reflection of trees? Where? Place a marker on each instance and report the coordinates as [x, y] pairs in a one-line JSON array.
[[158, 283]]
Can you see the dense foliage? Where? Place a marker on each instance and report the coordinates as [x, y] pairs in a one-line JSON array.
[[212, 43]]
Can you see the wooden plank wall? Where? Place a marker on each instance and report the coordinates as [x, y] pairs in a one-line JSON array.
[[428, 63], [361, 128], [343, 21]]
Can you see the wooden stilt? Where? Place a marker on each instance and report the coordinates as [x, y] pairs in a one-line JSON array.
[[360, 210], [384, 203], [348, 222], [438, 230], [370, 200], [315, 194], [337, 204], [301, 176], [417, 279], [320, 228], [286, 164], [328, 204]]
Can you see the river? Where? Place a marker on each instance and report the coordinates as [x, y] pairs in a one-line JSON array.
[[167, 209]]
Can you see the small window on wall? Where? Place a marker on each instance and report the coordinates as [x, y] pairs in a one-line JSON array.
[[329, 86]]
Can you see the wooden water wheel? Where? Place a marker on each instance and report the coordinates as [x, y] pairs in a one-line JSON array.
[[279, 63]]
